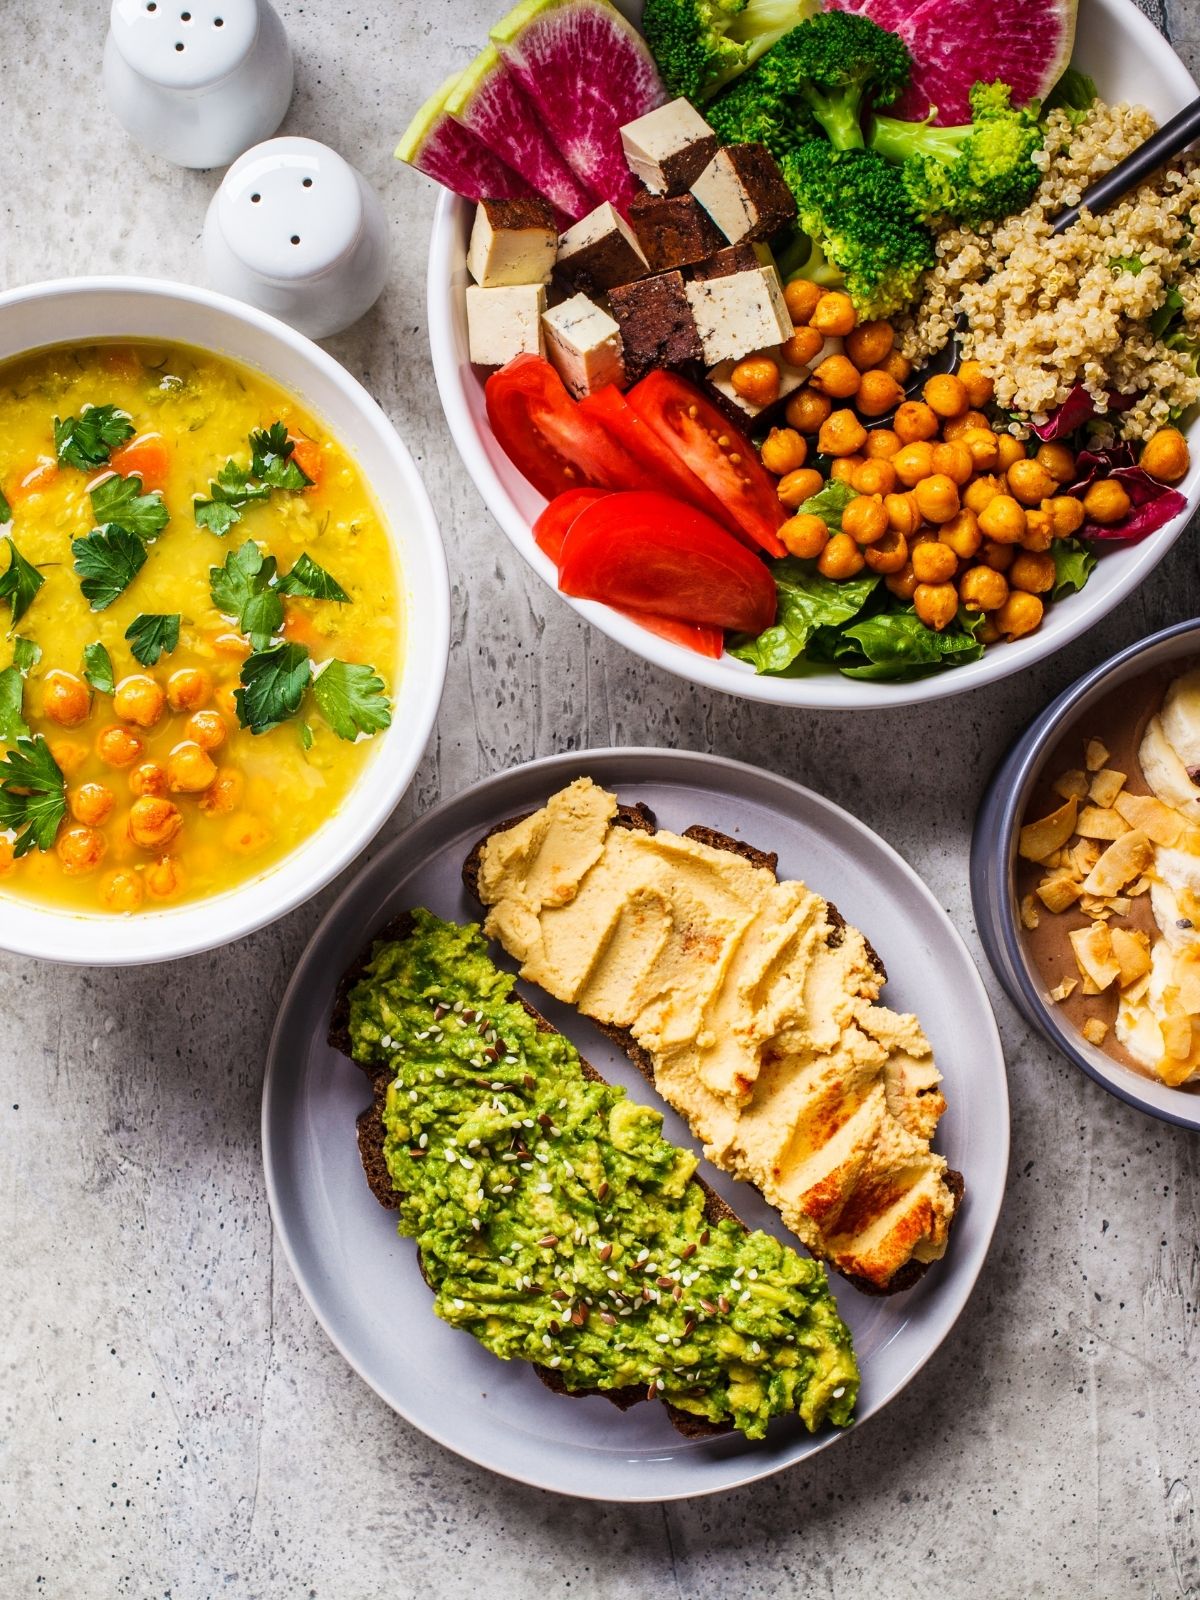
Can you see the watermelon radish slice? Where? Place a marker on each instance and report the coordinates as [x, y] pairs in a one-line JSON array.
[[956, 43], [443, 149], [888, 14], [488, 103], [587, 71]]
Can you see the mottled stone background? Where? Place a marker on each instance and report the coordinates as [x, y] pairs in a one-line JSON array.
[[175, 1423]]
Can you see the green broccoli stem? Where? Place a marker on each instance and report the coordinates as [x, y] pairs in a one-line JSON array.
[[896, 140], [818, 269], [839, 115]]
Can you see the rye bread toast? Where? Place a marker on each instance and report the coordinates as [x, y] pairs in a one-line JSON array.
[[641, 819], [371, 1152]]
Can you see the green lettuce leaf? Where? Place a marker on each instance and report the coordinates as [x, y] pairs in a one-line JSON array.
[[897, 644], [1073, 566], [807, 601]]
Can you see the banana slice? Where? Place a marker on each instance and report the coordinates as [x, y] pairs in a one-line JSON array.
[[1181, 718], [1164, 768]]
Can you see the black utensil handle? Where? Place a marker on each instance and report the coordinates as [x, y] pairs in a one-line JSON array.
[[1172, 138]]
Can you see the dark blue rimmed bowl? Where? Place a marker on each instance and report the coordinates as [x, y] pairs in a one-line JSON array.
[[993, 872]]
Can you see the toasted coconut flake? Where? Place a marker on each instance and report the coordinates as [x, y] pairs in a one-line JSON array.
[[1136, 990], [1095, 755], [1088, 987], [1095, 1031], [1187, 976], [1120, 905], [1101, 822], [1132, 952], [1140, 887], [1058, 891], [1072, 785], [1039, 840], [1106, 786], [1064, 990], [1085, 856], [1190, 841], [1160, 823], [1029, 913], [1177, 1037], [1125, 859], [1094, 956]]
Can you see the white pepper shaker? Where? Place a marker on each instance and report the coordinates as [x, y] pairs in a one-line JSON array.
[[197, 81], [297, 231]]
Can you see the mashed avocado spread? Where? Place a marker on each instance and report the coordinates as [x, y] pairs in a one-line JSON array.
[[557, 1225]]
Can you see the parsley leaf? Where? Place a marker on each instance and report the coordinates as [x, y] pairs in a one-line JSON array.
[[242, 589], [272, 461], [33, 795], [98, 668], [121, 500], [273, 685], [5, 510], [151, 633], [107, 562], [26, 654], [306, 736], [12, 698], [352, 699], [87, 441], [312, 581], [20, 583]]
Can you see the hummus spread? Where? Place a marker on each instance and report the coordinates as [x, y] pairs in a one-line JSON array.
[[755, 1006]]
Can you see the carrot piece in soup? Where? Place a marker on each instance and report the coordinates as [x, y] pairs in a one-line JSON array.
[[147, 457], [307, 455]]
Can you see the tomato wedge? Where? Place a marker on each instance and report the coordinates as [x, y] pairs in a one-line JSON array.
[[546, 436], [651, 553], [550, 529], [702, 637], [669, 472], [716, 452]]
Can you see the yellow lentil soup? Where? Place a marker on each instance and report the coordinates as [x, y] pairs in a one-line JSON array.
[[199, 626]]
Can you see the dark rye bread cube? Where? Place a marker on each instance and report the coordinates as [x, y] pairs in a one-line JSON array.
[[744, 192], [673, 230], [734, 258], [656, 323]]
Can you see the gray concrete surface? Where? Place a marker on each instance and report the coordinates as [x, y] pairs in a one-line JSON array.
[[173, 1421]]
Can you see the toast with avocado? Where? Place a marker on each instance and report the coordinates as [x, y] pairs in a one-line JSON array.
[[552, 1219], [750, 1004]]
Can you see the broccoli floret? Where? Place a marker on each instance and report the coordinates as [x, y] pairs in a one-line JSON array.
[[853, 205], [745, 114], [976, 173], [701, 45]]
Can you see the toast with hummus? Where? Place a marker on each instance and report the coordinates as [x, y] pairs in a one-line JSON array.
[[552, 1219], [750, 1004]]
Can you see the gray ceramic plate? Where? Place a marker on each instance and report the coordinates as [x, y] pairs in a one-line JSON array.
[[361, 1278]]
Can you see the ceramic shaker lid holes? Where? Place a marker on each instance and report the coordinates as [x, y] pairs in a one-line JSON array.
[[295, 230], [197, 81]]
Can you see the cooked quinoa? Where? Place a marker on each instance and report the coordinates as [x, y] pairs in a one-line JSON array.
[[1047, 313]]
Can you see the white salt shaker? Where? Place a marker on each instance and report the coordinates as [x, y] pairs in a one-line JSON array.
[[297, 231], [197, 81]]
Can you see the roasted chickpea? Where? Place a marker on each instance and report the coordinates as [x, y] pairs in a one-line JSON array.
[[1031, 572], [69, 755], [153, 821], [65, 699], [843, 469], [890, 554], [80, 850], [935, 603], [980, 490], [898, 367], [878, 393], [902, 514], [955, 427], [1039, 530], [804, 535], [1058, 460], [865, 519], [1106, 501], [783, 451], [836, 376], [807, 410], [937, 498], [148, 778], [842, 434], [207, 729], [945, 395], [188, 689], [138, 699], [1020, 614], [796, 487], [164, 878], [874, 477], [983, 589], [933, 562], [1066, 514], [976, 382], [756, 379], [800, 296], [1029, 482], [982, 446], [91, 803], [962, 534], [1008, 450], [231, 644], [882, 444], [117, 747], [834, 314], [914, 420], [802, 347], [245, 835], [190, 770], [997, 556], [1165, 455], [123, 891], [913, 462], [955, 461], [224, 794], [1003, 519], [903, 583], [841, 558], [869, 344], [989, 633]]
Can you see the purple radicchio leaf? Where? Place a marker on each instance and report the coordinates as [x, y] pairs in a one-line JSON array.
[[1153, 504], [1079, 407]]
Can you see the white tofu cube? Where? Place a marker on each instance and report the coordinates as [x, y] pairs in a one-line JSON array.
[[669, 148], [739, 313], [743, 191], [790, 379], [600, 251], [506, 322], [584, 345], [512, 241]]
